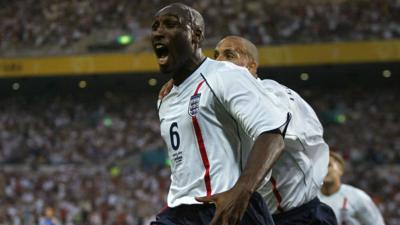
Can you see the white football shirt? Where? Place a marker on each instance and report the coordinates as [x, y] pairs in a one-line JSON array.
[[208, 123], [298, 174], [353, 206]]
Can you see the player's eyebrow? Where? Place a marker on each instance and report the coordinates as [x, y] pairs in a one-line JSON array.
[[172, 17], [166, 18], [230, 51]]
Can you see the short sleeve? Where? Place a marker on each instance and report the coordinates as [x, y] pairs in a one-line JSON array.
[[256, 110]]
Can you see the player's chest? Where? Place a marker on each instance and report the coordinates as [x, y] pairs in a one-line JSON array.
[[181, 109], [344, 207]]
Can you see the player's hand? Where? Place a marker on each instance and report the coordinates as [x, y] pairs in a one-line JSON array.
[[165, 89], [230, 205]]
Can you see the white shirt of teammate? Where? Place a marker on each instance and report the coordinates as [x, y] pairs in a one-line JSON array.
[[299, 172], [353, 206], [208, 123]]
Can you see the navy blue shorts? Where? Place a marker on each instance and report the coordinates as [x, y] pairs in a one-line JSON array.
[[311, 213], [201, 214]]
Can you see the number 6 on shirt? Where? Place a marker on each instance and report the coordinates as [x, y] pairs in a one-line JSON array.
[[174, 136]]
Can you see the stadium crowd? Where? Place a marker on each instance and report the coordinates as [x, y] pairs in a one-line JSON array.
[[69, 26], [79, 161], [80, 139], [77, 130], [364, 127], [80, 196]]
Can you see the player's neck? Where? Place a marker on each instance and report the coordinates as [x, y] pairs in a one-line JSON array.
[[330, 188], [191, 65]]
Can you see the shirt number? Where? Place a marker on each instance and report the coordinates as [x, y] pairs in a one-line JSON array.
[[174, 136]]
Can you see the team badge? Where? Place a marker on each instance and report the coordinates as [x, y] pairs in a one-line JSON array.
[[194, 104]]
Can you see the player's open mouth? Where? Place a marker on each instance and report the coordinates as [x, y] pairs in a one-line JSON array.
[[162, 53]]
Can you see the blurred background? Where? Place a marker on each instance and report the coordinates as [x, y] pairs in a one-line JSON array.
[[79, 133]]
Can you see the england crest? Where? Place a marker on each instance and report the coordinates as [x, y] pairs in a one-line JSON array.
[[194, 104]]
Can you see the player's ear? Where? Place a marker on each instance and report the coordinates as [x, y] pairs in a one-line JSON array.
[[252, 67]]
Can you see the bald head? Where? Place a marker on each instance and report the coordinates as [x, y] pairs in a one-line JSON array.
[[186, 15], [238, 50], [247, 46]]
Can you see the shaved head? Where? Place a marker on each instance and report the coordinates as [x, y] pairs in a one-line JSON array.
[[247, 46], [186, 15], [176, 36], [238, 50]]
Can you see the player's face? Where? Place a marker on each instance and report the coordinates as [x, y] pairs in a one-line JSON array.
[[334, 171], [171, 39], [231, 50]]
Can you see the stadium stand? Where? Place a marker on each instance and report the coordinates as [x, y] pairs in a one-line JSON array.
[[76, 130], [59, 27]]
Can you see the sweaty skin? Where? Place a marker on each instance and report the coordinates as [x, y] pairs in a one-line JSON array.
[[177, 32]]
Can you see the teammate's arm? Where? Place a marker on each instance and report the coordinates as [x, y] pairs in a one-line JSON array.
[[231, 205], [261, 118], [165, 89]]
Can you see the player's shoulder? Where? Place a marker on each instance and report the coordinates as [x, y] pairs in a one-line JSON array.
[[350, 188], [223, 70], [222, 65], [271, 83], [355, 192]]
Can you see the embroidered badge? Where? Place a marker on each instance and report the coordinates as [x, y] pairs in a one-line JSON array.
[[194, 104]]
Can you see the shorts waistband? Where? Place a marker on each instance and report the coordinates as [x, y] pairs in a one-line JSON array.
[[297, 210]]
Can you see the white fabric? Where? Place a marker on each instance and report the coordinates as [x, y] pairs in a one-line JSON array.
[[301, 169], [228, 125], [359, 209]]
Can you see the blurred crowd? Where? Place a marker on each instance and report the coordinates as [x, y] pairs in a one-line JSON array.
[[74, 160], [69, 26], [363, 126], [68, 195], [77, 159], [80, 129]]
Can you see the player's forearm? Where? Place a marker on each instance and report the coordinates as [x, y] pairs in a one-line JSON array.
[[265, 152]]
